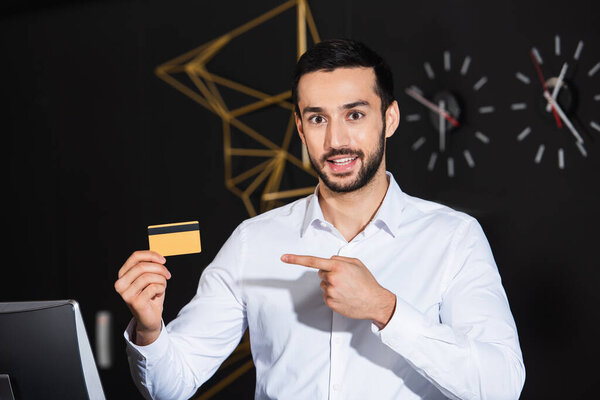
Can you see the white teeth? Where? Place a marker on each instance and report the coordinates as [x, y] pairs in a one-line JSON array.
[[343, 161]]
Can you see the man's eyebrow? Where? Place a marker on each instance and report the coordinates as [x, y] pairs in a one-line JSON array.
[[312, 109], [343, 107], [356, 104]]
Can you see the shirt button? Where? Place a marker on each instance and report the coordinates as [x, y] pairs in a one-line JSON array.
[[336, 387], [337, 340]]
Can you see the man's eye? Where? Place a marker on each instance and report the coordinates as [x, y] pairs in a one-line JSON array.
[[355, 115], [316, 119]]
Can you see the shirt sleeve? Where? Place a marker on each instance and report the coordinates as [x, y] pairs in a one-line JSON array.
[[191, 348], [472, 351]]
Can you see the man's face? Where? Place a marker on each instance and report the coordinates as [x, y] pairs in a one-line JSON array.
[[342, 126]]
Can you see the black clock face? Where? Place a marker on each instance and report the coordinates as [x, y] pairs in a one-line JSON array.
[[445, 114], [558, 101]]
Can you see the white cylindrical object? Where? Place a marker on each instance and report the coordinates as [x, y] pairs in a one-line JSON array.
[[104, 339]]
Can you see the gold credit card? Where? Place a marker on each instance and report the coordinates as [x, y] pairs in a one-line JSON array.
[[175, 239]]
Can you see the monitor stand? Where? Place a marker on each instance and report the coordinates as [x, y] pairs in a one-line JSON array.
[[6, 392]]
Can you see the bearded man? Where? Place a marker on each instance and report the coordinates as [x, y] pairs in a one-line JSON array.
[[358, 291]]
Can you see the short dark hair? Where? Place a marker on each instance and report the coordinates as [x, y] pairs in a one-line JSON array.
[[345, 53]]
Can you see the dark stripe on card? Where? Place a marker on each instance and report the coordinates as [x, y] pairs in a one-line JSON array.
[[159, 230]]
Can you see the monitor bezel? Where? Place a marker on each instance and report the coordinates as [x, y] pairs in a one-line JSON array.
[[86, 357]]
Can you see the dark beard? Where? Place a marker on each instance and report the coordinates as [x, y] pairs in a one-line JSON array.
[[367, 172]]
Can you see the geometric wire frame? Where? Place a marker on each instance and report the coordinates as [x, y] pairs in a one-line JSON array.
[[205, 91]]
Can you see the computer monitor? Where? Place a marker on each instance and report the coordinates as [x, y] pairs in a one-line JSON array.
[[45, 351]]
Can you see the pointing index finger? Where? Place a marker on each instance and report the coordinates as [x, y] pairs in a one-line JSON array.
[[323, 264]]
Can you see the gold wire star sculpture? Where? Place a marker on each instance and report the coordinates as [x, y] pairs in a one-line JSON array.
[[205, 90]]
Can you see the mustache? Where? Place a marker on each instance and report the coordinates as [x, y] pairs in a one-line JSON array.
[[342, 152]]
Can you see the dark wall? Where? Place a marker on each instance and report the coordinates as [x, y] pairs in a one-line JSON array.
[[97, 148]]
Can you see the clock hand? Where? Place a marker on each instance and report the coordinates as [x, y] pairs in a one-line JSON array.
[[415, 95], [442, 125], [541, 76], [557, 86], [563, 117]]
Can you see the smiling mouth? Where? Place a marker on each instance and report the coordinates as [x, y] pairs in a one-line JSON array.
[[342, 161]]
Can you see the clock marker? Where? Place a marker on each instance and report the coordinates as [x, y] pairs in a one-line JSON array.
[[524, 134], [429, 70], [432, 159], [480, 83], [557, 45], [581, 148], [561, 158], [413, 117], [597, 97], [450, 167], [523, 78], [537, 55], [416, 145], [465, 66], [578, 50], [416, 89], [486, 109], [469, 158], [594, 69], [518, 106], [482, 137], [442, 125], [539, 154], [595, 125], [447, 60]]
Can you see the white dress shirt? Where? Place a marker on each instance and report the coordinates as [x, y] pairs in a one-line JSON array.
[[451, 335]]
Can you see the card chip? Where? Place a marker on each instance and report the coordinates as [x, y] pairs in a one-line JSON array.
[[175, 239]]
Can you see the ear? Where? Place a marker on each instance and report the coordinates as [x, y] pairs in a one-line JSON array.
[[299, 127], [392, 119]]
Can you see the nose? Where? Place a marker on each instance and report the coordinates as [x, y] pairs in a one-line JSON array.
[[336, 135]]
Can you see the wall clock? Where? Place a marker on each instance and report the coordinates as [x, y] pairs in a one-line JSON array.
[[558, 105], [446, 116]]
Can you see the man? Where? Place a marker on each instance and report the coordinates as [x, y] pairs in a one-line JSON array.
[[359, 291]]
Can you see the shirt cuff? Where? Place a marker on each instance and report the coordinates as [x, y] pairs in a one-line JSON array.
[[403, 329], [150, 353]]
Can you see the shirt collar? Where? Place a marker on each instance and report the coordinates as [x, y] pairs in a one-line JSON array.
[[390, 212], [387, 217], [314, 214]]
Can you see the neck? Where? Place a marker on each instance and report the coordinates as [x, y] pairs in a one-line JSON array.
[[351, 212]]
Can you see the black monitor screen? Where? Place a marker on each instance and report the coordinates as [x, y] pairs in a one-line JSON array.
[[40, 351]]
